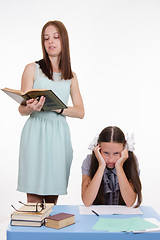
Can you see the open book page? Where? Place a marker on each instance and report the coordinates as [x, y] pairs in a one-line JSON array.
[[108, 210], [19, 92]]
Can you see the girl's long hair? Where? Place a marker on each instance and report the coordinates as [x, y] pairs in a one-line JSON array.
[[64, 62], [115, 134]]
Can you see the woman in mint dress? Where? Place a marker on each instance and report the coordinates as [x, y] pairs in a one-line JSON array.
[[45, 149]]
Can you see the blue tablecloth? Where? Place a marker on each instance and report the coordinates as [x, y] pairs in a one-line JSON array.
[[82, 229]]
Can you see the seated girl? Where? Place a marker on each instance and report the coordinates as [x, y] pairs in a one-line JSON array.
[[110, 174]]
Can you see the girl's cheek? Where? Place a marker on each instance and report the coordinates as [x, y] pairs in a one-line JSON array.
[[105, 159]]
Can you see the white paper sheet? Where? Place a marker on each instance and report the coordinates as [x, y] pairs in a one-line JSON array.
[[152, 220], [108, 210]]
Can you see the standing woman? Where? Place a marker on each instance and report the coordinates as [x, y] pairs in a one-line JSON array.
[[45, 149]]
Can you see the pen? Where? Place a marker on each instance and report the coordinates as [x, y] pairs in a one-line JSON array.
[[95, 213]]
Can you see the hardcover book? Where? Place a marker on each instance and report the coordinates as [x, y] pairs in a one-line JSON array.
[[32, 216], [59, 220], [52, 101], [26, 223]]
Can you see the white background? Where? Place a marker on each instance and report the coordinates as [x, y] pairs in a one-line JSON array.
[[115, 52]]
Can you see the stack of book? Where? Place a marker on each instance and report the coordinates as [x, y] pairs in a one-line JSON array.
[[34, 219]]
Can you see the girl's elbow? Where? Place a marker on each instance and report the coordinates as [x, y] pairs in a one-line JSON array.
[[86, 204], [129, 204]]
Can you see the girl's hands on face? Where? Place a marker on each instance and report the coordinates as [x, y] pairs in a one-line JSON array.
[[98, 155], [123, 158], [35, 105]]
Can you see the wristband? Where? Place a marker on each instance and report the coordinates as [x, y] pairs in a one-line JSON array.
[[61, 111]]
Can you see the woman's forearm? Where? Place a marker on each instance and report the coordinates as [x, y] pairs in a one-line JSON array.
[[24, 110], [76, 112]]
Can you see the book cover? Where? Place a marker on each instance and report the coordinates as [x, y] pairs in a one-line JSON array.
[[60, 220], [32, 216], [52, 101]]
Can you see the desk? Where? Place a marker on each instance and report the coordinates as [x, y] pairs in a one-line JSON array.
[[82, 229]]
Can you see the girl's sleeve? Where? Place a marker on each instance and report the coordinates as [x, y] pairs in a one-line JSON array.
[[86, 165]]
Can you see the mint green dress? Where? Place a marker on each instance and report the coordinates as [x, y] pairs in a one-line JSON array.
[[45, 148]]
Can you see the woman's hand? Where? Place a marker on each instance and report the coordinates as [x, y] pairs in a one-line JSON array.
[[35, 105], [122, 159], [98, 155]]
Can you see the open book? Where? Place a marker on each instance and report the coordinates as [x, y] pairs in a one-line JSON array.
[[52, 101]]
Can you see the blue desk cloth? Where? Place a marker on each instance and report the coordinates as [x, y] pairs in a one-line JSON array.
[[82, 229]]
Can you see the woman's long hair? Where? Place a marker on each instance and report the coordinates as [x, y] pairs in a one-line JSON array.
[[64, 63], [115, 134]]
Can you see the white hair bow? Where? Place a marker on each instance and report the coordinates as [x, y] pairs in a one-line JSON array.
[[130, 142], [94, 143]]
